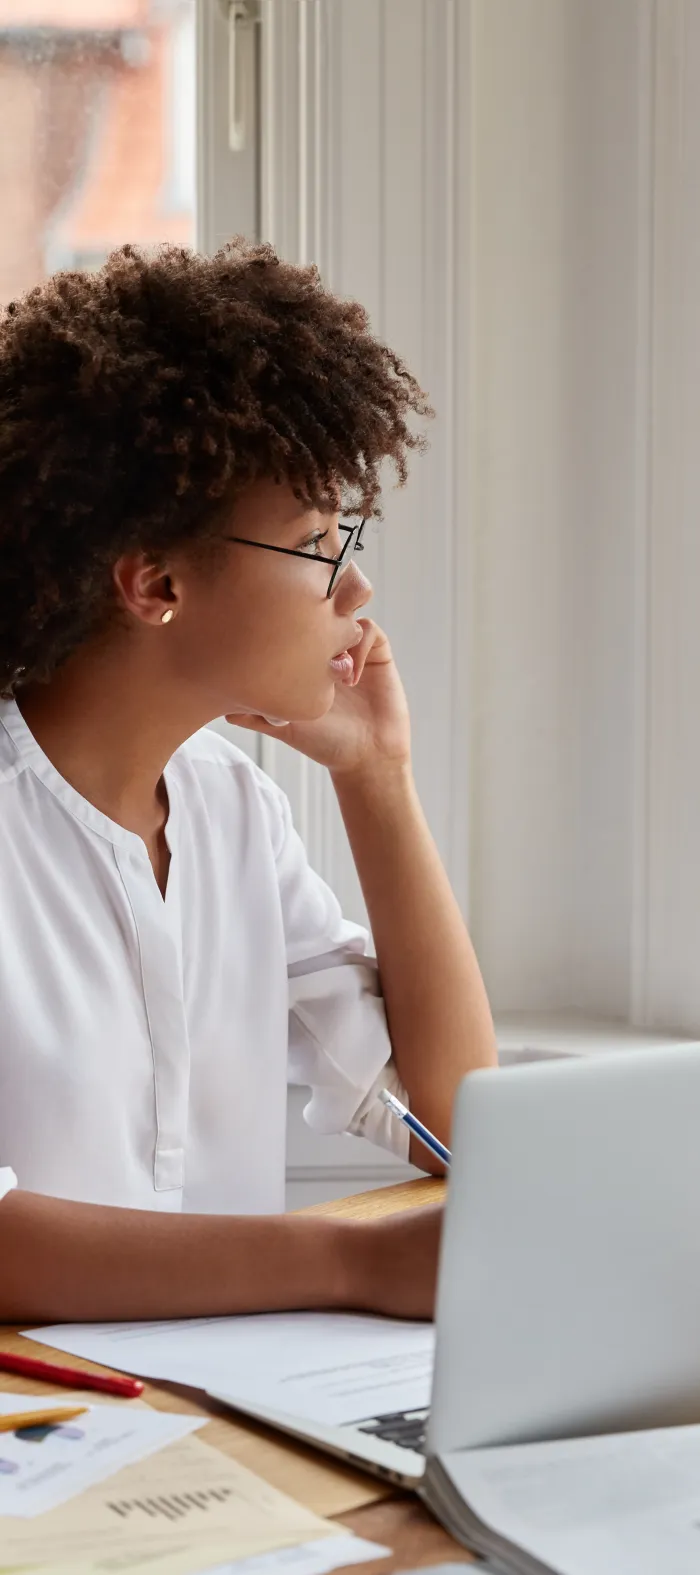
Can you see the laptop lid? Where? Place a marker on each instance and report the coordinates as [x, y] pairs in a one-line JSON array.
[[569, 1295]]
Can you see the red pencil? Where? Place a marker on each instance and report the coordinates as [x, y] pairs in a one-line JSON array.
[[32, 1367]]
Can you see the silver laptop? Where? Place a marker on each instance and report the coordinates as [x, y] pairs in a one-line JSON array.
[[569, 1286]]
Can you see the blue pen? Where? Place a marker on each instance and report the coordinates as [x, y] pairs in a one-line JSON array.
[[414, 1125]]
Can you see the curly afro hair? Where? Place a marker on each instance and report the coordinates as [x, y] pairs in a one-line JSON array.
[[137, 402]]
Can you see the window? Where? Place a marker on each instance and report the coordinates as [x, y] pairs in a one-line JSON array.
[[181, 111], [97, 122]]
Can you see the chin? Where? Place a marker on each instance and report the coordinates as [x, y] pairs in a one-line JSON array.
[[317, 706], [310, 713]]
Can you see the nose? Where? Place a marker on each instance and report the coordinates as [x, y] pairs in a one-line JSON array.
[[353, 589]]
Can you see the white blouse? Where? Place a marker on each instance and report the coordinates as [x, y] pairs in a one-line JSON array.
[[146, 1042]]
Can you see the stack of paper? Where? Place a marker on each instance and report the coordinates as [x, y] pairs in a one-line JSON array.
[[616, 1504], [183, 1510]]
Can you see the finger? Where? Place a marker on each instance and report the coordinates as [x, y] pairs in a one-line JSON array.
[[359, 653], [373, 642]]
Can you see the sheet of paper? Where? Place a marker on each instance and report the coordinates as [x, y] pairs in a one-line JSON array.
[[42, 1467], [457, 1568], [626, 1504], [175, 1513], [327, 1367], [310, 1558]]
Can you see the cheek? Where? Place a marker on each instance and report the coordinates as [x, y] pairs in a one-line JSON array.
[[279, 662], [269, 633]]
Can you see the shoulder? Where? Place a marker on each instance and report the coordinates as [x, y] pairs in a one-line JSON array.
[[222, 768]]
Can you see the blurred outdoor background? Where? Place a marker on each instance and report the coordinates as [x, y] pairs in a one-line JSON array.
[[97, 106]]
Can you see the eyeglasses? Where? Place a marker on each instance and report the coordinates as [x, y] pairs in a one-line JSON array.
[[353, 543]]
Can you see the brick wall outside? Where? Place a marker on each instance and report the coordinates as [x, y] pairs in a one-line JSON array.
[[84, 147]]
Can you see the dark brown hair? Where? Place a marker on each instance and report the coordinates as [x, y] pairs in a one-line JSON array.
[[137, 401]]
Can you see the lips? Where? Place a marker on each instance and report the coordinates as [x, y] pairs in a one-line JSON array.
[[343, 665]]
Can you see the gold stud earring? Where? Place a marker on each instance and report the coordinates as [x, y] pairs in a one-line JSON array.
[[168, 615]]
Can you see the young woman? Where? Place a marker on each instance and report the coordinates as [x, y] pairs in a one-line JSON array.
[[184, 444]]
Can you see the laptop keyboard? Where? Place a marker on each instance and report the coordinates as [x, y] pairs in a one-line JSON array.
[[405, 1428]]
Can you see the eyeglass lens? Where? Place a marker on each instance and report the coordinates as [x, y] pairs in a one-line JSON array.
[[351, 545]]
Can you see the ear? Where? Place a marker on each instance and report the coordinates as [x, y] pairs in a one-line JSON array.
[[145, 588]]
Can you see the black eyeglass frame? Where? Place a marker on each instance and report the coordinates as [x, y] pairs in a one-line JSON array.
[[344, 560]]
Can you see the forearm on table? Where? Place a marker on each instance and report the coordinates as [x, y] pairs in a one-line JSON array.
[[63, 1261], [437, 1009]]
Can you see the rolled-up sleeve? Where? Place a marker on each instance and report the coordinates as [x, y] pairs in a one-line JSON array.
[[8, 1180], [339, 1046]]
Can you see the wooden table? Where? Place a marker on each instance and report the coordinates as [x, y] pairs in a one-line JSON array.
[[362, 1503]]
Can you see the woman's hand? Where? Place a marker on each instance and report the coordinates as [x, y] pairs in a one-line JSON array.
[[368, 724]]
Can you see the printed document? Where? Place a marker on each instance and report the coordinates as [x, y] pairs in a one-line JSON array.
[[41, 1467], [323, 1367], [184, 1510]]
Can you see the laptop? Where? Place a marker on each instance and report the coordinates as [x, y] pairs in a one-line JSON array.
[[569, 1284]]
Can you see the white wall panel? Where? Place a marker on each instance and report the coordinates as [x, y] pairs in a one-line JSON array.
[[673, 933], [523, 726], [563, 194]]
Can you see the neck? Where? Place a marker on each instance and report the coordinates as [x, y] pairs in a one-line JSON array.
[[109, 722]]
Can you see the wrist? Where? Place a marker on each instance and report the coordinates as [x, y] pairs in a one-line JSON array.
[[363, 1259], [376, 776], [323, 1270], [354, 1266]]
